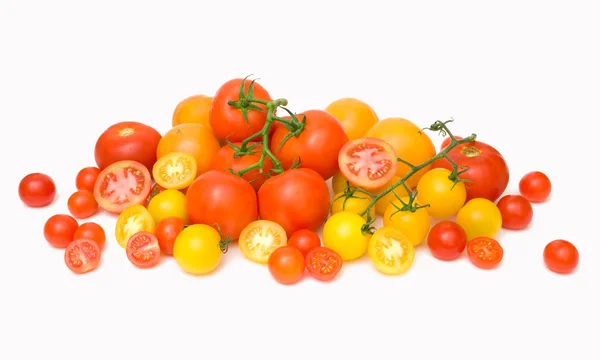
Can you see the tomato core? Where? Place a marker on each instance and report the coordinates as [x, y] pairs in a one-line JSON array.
[[126, 132], [371, 161], [471, 151]]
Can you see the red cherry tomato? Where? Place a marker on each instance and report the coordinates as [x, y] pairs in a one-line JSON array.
[[59, 230], [367, 162], [143, 250], [37, 190], [561, 256], [82, 256], [82, 204], [166, 232], [286, 265], [447, 240], [304, 240], [484, 252], [92, 231], [535, 186], [323, 263], [516, 212]]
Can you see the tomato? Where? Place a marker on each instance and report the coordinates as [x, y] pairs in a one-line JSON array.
[[121, 185], [143, 250], [561, 256], [485, 252], [156, 189], [409, 142], [197, 249], [91, 231], [487, 170], [59, 230], [192, 109], [194, 139], [82, 256], [339, 183], [223, 200], [535, 186], [86, 178], [316, 147], [368, 163], [286, 265], [228, 121], [447, 140], [356, 116], [226, 160], [132, 220], [166, 232], [167, 204], [480, 218], [295, 199], [37, 190], [343, 234], [447, 240], [304, 240], [516, 212], [357, 203], [414, 224], [127, 140], [444, 197], [399, 192], [82, 204], [323, 264], [175, 170], [390, 251], [260, 238]]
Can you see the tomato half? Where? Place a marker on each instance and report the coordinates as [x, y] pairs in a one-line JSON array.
[[286, 265], [92, 231], [390, 251], [485, 252], [561, 256], [121, 185], [82, 204], [260, 238], [368, 163], [516, 212], [82, 256], [143, 250], [444, 197], [59, 230], [37, 190], [535, 186], [226, 159], [304, 240], [447, 240], [356, 116], [86, 178], [132, 220], [175, 170], [323, 264], [192, 109]]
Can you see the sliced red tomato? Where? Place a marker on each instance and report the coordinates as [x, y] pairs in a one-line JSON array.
[[485, 252], [143, 250], [367, 162], [121, 185], [323, 263], [82, 255]]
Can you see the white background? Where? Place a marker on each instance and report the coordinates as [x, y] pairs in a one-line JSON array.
[[522, 75]]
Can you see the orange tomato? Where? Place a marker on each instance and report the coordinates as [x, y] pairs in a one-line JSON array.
[[192, 110], [355, 115]]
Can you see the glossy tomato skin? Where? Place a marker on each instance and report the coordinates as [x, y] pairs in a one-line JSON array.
[[535, 186], [37, 190], [286, 265], [295, 199], [92, 231], [192, 109], [317, 147], [127, 140], [224, 201], [447, 240], [166, 232], [304, 240], [488, 171], [516, 212], [561, 256], [86, 178], [59, 230], [82, 204], [225, 159], [113, 189], [447, 141]]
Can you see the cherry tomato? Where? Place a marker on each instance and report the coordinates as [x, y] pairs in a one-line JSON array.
[[357, 203], [447, 240], [343, 234], [82, 256], [143, 250], [390, 251], [444, 197], [479, 218], [304, 240], [356, 116], [132, 220], [516, 212], [175, 170], [167, 204], [121, 185], [192, 109], [447, 140], [260, 238], [82, 204], [414, 224], [197, 249], [561, 256], [166, 232], [535, 186], [92, 231], [59, 230], [86, 178], [227, 159], [286, 265], [323, 264], [368, 163], [485, 252], [37, 190]]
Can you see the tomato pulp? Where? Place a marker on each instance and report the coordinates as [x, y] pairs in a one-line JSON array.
[[368, 163], [121, 185]]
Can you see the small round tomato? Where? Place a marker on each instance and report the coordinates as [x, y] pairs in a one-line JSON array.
[[447, 240], [143, 250], [414, 224], [175, 170], [390, 251], [192, 109], [516, 212], [82, 204], [343, 234], [260, 238], [167, 204], [323, 264], [166, 232], [86, 178], [368, 163], [286, 265], [132, 220], [227, 160], [399, 192], [82, 256], [535, 186], [561, 256], [480, 218], [59, 230], [304, 240], [121, 185], [357, 203], [444, 197], [92, 231], [447, 140], [37, 190], [356, 116], [485, 252], [197, 249], [339, 183]]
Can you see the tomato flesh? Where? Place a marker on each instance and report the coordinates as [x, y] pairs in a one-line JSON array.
[[143, 250], [391, 251], [260, 239], [121, 185], [176, 170], [485, 252], [82, 256], [323, 264], [132, 220], [368, 162]]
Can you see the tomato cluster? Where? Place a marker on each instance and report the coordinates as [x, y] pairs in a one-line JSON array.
[[240, 169]]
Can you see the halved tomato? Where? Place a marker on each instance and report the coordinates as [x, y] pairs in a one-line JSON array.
[[82, 255], [143, 250], [132, 220], [175, 170], [485, 252], [323, 263], [367, 162], [122, 184], [260, 238], [391, 251]]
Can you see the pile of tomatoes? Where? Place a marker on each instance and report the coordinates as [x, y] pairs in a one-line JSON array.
[[239, 169]]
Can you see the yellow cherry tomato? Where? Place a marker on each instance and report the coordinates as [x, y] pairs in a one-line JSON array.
[[133, 219], [338, 183], [193, 109], [343, 234], [444, 197], [356, 116], [414, 224], [399, 192], [390, 251], [168, 203], [357, 203], [197, 249], [260, 238], [480, 218], [175, 170]]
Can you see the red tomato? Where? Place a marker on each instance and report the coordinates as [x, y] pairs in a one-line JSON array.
[[304, 240], [447, 140], [561, 256], [323, 264], [484, 252], [295, 199], [227, 121], [92, 231], [224, 201], [37, 190], [82, 256], [516, 212], [86, 178], [317, 147], [121, 185], [59, 230], [447, 240], [166, 232], [225, 160], [82, 204], [127, 140], [143, 250], [535, 186], [286, 265], [368, 163]]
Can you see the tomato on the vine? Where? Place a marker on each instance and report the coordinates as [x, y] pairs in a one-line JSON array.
[[323, 264], [479, 218], [357, 203], [286, 265], [92, 231], [260, 238], [399, 192], [447, 240], [414, 224], [175, 170], [86, 178], [304, 240], [132, 220], [226, 159], [356, 116], [166, 232], [485, 252], [444, 196], [121, 185], [37, 190], [368, 163], [82, 204], [390, 251], [561, 256], [143, 250], [447, 141], [197, 249], [59, 230], [168, 203], [516, 212], [192, 109], [82, 256], [535, 186], [343, 234]]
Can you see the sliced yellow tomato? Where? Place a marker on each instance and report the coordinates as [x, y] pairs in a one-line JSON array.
[[175, 170], [133, 219], [414, 224], [390, 251], [357, 204], [260, 238]]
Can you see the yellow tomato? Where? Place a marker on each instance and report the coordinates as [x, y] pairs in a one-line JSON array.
[[357, 203], [193, 109], [444, 197], [415, 225], [133, 219], [480, 218], [338, 183], [260, 238], [175, 170], [343, 234], [382, 204], [390, 251], [356, 116], [168, 203], [197, 249]]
